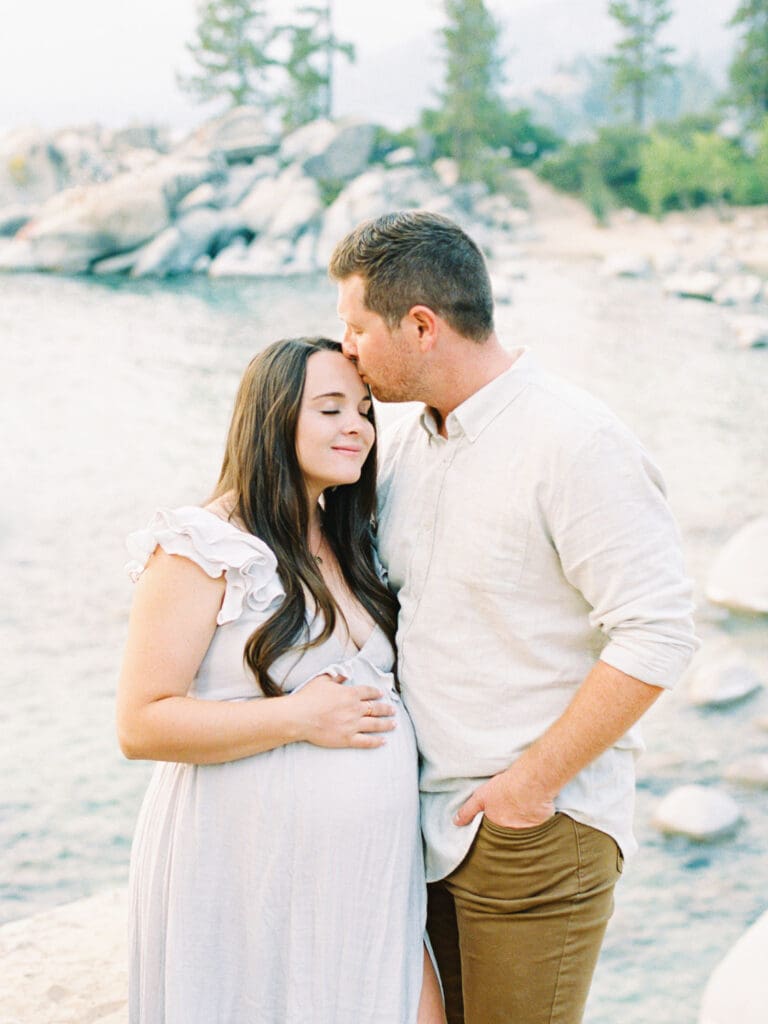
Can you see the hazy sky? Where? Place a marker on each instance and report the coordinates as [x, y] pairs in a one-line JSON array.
[[74, 61]]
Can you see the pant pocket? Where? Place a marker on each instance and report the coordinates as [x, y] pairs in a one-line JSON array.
[[530, 832]]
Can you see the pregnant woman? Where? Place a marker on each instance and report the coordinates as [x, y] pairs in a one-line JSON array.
[[276, 872]]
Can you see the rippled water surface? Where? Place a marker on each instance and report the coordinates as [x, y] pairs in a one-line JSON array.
[[115, 398]]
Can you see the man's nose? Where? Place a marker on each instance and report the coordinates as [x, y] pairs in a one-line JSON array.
[[348, 346]]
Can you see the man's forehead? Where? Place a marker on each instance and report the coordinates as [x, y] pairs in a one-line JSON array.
[[351, 292]]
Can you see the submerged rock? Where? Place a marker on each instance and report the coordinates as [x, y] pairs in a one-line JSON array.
[[719, 674], [738, 578], [737, 990], [751, 770], [697, 812]]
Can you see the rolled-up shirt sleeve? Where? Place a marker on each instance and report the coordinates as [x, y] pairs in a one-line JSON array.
[[619, 546]]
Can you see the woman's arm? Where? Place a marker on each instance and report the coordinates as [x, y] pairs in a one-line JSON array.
[[172, 622]]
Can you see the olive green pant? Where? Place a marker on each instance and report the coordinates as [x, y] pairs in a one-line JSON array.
[[517, 927]]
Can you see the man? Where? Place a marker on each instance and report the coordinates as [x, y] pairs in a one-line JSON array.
[[543, 609]]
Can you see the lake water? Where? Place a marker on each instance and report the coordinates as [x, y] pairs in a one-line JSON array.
[[114, 398]]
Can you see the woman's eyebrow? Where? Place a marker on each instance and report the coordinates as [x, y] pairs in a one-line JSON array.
[[337, 394]]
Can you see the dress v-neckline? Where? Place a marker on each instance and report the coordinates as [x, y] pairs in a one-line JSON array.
[[357, 650]]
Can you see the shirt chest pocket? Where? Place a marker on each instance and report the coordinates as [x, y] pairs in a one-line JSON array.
[[489, 548]]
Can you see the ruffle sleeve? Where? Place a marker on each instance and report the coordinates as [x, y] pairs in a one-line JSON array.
[[219, 548]]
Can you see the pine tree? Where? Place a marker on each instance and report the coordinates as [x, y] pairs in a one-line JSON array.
[[640, 60], [470, 100], [231, 50], [749, 70], [309, 65]]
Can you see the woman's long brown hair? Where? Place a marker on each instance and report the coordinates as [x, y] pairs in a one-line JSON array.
[[261, 475]]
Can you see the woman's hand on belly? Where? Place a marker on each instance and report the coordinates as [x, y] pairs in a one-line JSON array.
[[329, 714]]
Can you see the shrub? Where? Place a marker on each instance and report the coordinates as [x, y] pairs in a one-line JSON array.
[[503, 129], [703, 168], [668, 174], [681, 164], [604, 172], [565, 169]]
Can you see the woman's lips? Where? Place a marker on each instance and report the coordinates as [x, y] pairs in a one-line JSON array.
[[345, 450]]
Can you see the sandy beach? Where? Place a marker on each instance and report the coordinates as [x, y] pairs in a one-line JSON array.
[[564, 228]]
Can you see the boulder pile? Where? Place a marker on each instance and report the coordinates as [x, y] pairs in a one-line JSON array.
[[229, 200]]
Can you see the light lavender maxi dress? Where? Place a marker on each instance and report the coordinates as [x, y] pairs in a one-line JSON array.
[[287, 887]]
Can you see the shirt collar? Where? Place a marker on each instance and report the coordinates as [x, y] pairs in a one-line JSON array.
[[476, 412]]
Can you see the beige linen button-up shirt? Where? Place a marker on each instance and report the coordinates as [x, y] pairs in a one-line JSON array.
[[531, 541]]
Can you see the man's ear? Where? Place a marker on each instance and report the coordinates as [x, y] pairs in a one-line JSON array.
[[424, 323]]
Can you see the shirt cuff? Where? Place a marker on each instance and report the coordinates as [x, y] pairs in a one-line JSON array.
[[663, 670]]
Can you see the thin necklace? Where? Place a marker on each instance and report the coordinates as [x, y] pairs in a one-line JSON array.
[[316, 556]]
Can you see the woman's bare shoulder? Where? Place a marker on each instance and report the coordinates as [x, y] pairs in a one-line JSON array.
[[223, 506]]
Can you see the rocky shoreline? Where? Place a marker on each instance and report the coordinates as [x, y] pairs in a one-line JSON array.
[[227, 201], [230, 200], [68, 966]]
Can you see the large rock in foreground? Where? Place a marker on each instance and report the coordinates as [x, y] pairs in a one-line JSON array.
[[738, 578], [719, 675], [68, 965], [737, 991], [697, 812]]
